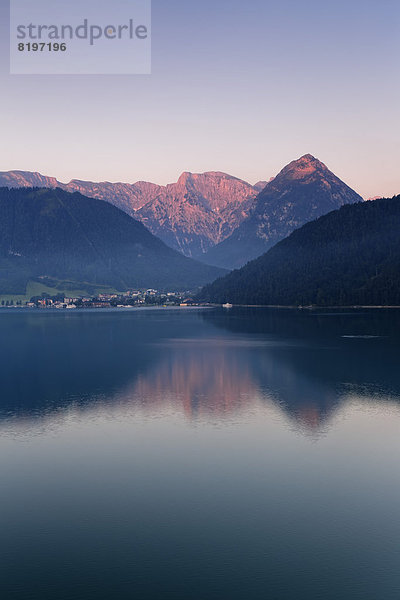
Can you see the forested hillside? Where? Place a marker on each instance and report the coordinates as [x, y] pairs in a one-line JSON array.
[[349, 257]]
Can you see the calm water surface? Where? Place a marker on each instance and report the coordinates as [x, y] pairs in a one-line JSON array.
[[200, 455]]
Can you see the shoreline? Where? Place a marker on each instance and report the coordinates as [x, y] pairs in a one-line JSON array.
[[308, 308], [205, 306]]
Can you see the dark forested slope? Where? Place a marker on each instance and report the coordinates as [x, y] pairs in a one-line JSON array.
[[350, 256], [54, 234]]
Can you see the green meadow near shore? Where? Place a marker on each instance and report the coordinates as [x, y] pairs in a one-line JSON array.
[[35, 288]]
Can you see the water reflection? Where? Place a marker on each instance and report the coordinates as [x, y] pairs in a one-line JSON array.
[[212, 380], [208, 365], [155, 454]]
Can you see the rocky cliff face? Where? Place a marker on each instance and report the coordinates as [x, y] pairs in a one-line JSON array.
[[22, 179], [303, 191], [198, 211], [192, 215], [127, 197]]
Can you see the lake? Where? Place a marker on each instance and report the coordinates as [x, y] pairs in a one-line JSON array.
[[200, 454]]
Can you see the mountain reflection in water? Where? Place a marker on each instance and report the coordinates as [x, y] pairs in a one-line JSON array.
[[207, 364], [199, 454]]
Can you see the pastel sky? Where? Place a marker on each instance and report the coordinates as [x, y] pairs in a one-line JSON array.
[[241, 87]]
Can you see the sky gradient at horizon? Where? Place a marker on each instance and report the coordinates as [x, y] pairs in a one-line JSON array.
[[237, 87]]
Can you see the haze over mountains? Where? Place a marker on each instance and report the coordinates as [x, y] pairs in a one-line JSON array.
[[348, 257], [69, 241], [303, 191]]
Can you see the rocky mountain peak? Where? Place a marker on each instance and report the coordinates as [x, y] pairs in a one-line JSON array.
[[198, 211], [184, 179], [303, 168], [303, 191]]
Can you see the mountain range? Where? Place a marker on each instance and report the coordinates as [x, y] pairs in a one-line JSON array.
[[68, 241], [191, 215], [348, 257], [214, 217]]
